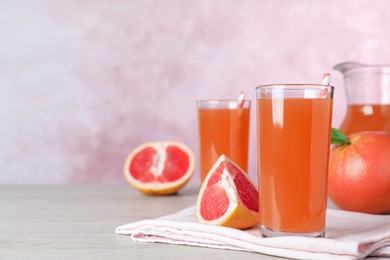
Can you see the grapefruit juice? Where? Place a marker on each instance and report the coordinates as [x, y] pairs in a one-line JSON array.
[[294, 142], [223, 130], [375, 117]]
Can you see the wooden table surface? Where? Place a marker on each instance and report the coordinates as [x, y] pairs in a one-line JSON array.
[[78, 222]]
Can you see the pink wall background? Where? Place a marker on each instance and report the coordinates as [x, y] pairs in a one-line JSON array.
[[84, 82]]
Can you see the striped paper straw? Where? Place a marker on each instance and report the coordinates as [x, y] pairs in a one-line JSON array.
[[326, 79], [241, 99]]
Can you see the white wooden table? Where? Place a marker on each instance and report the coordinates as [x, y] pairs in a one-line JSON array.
[[78, 222]]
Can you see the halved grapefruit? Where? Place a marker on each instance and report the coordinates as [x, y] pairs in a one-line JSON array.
[[228, 197], [159, 168]]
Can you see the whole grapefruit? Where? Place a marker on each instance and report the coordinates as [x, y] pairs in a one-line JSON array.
[[359, 173]]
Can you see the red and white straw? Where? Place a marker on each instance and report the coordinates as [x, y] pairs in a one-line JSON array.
[[241, 99], [326, 79], [325, 82]]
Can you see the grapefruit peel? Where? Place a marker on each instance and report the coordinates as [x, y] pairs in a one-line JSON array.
[[358, 178]]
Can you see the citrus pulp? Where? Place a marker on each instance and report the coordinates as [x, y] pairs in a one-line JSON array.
[[159, 168], [228, 197]]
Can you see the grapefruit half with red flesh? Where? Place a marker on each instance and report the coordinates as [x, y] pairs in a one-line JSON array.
[[228, 197], [159, 168]]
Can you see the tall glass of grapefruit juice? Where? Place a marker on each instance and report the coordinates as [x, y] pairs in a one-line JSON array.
[[294, 128], [223, 129]]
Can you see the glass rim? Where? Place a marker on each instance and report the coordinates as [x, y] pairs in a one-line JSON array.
[[295, 86], [369, 70], [221, 101]]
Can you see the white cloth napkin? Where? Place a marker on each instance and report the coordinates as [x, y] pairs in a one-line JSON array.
[[348, 235]]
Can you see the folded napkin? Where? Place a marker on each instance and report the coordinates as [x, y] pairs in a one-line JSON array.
[[348, 235]]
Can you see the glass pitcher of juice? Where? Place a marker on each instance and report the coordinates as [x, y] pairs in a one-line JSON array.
[[368, 97]]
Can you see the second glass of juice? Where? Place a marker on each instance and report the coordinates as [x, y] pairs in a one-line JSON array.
[[223, 129], [293, 127]]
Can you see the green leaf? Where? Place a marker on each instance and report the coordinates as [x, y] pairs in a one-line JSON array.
[[338, 137]]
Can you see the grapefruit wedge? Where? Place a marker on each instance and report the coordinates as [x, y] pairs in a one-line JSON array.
[[159, 168], [228, 197]]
